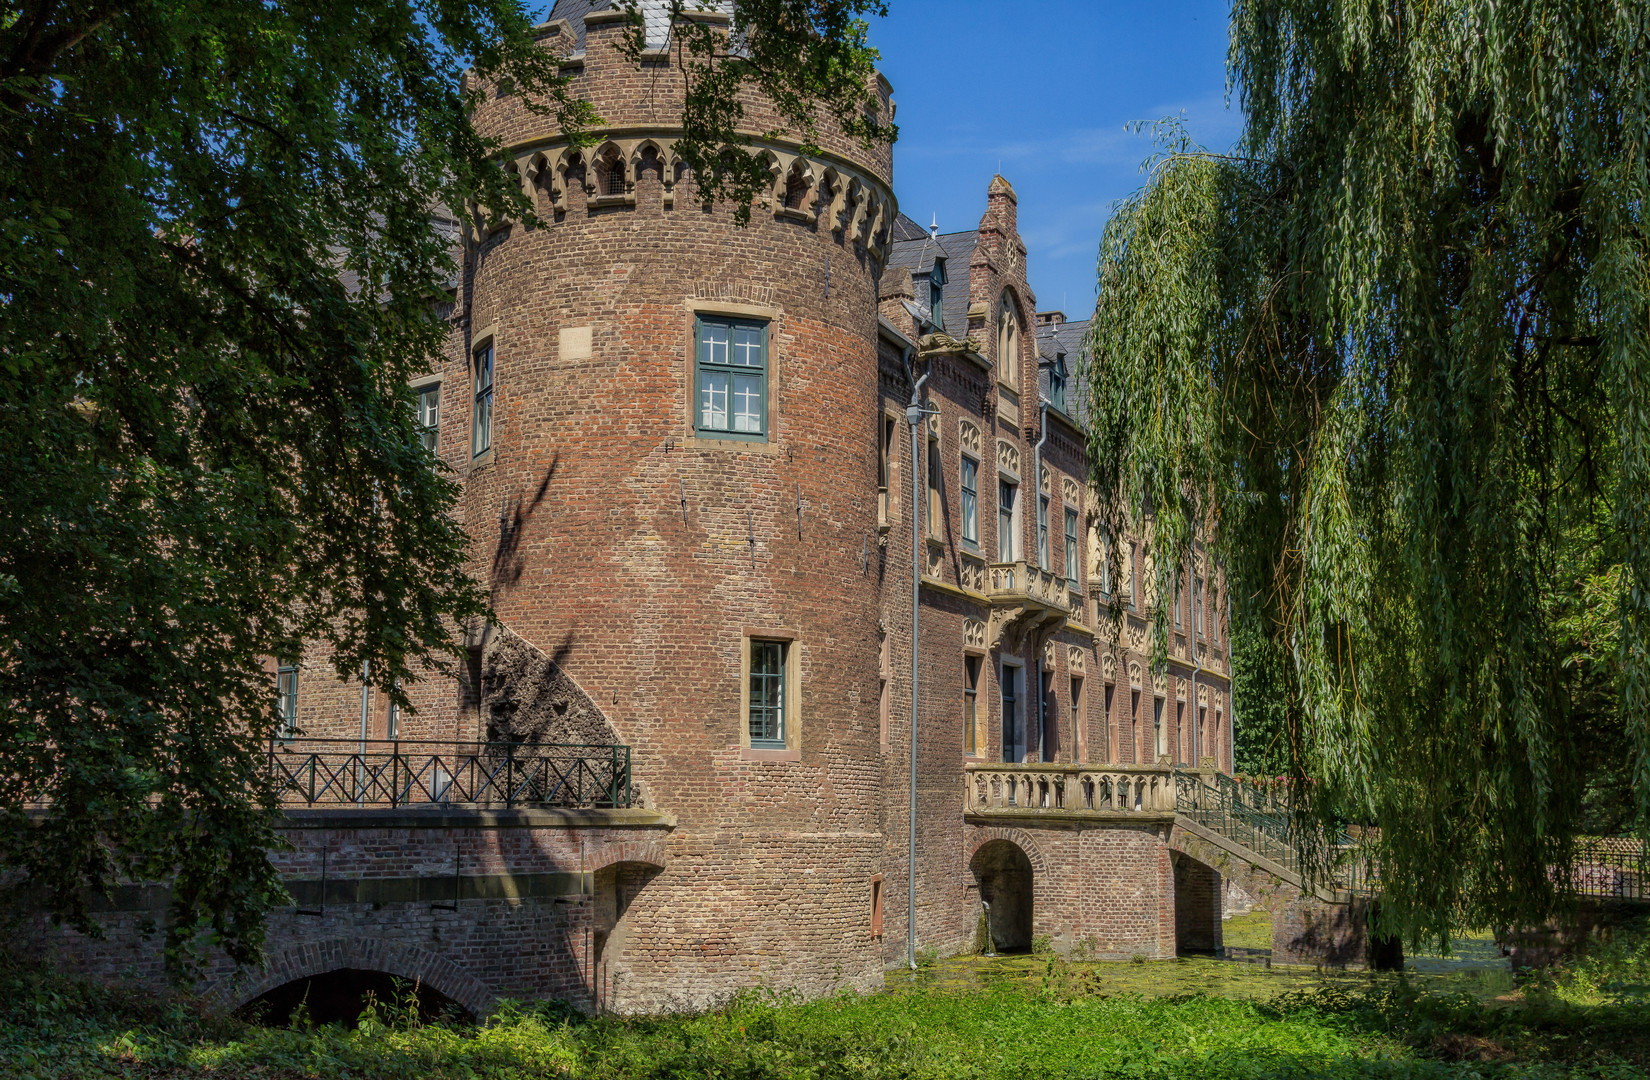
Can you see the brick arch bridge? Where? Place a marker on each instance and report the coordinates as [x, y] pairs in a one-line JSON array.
[[478, 904]]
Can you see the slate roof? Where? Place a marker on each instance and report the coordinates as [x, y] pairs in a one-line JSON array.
[[917, 253], [1051, 342]]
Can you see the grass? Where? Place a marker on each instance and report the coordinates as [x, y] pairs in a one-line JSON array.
[[1014, 1017]]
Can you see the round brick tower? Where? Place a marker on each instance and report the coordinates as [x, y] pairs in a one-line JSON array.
[[674, 500]]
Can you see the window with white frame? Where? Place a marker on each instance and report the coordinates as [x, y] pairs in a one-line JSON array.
[[731, 380], [286, 699], [481, 413], [428, 412]]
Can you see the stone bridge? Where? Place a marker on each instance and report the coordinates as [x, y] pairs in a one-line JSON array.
[[1109, 862], [474, 904]]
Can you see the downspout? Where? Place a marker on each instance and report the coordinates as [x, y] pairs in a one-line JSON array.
[[366, 712], [1197, 665], [1037, 537], [913, 417]]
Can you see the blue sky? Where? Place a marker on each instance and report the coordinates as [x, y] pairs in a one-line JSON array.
[[1046, 89]]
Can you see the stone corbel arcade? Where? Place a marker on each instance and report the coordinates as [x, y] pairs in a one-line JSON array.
[[842, 198]]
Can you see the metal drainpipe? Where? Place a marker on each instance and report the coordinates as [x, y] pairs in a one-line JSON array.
[[1197, 663], [913, 417], [1037, 538], [366, 707]]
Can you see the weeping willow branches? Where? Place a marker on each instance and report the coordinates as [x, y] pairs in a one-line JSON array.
[[1394, 353]]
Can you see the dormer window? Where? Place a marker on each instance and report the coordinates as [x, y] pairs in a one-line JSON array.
[[1058, 376], [936, 294]]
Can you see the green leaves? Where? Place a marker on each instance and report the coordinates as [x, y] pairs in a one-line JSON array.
[[1390, 354], [219, 274]]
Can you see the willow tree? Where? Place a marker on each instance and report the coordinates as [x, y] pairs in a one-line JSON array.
[[1393, 349], [218, 271]]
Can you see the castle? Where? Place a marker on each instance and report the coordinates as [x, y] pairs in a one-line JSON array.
[[700, 510]]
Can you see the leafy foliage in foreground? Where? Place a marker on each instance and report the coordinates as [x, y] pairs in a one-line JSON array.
[[217, 274], [1066, 1020], [1395, 345]]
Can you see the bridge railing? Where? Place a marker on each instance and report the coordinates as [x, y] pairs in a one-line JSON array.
[[1259, 820], [1611, 868], [402, 772]]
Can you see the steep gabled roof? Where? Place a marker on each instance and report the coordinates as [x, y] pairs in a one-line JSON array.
[[918, 255]]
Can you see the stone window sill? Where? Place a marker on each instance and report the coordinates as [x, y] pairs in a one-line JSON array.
[[748, 754]]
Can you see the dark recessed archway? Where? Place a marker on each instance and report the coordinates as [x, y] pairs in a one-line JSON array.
[[1003, 871], [339, 997]]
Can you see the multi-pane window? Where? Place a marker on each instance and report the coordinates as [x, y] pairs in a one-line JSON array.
[[481, 416], [286, 699], [936, 510], [1177, 618], [1007, 492], [1014, 747], [767, 695], [971, 694], [1057, 378], [1160, 738], [1197, 607], [1042, 531], [429, 415], [1071, 547], [970, 501], [732, 361]]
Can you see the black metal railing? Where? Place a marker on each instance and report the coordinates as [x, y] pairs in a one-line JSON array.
[[1259, 821], [402, 772], [1611, 869]]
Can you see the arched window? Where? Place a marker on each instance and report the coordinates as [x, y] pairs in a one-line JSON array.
[[796, 188], [613, 175], [1008, 340]]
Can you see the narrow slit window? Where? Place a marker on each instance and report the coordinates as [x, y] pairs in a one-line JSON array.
[[286, 699], [1072, 558], [767, 695], [1042, 532], [429, 416], [1007, 493], [936, 501], [970, 501], [481, 416], [971, 694]]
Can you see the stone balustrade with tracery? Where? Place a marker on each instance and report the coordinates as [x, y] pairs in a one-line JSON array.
[[1067, 789]]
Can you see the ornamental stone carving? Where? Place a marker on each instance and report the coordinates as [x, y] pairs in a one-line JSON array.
[[1108, 668], [1077, 659], [1203, 695], [969, 434], [1134, 673], [1008, 457], [1160, 685], [1044, 482], [934, 427], [973, 574], [1071, 492], [1048, 656], [1180, 689], [974, 633]]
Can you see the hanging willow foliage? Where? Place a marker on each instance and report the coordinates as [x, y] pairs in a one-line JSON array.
[[1393, 351]]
